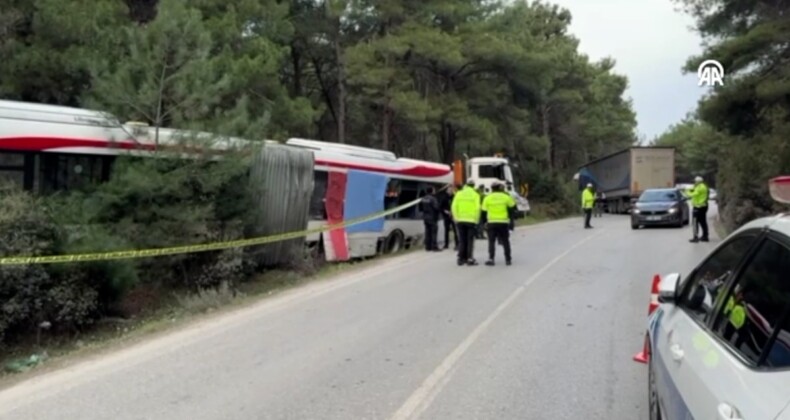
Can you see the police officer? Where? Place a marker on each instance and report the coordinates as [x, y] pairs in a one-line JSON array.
[[699, 202], [466, 214], [498, 212], [588, 201], [445, 202], [430, 216]]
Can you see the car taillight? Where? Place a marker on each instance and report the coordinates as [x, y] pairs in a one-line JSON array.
[[780, 189]]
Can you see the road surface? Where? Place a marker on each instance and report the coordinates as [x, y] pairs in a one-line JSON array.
[[550, 337]]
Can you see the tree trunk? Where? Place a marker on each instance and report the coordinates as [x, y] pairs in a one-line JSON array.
[[545, 108], [386, 122], [341, 89], [296, 60], [447, 143]]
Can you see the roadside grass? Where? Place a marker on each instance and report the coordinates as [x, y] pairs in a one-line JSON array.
[[171, 310]]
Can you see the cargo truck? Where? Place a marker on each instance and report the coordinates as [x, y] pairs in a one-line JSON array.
[[624, 175]]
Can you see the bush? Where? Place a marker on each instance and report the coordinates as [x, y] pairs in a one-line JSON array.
[[31, 294], [162, 202]]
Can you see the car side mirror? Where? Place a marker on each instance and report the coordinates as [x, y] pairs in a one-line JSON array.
[[668, 288]]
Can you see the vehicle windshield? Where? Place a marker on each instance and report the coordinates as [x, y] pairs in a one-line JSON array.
[[652, 196]]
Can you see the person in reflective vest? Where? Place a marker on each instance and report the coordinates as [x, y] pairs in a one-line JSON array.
[[699, 203], [735, 314], [498, 212], [466, 214], [588, 201]]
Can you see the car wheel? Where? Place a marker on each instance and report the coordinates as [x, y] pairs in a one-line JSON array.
[[653, 406], [634, 226]]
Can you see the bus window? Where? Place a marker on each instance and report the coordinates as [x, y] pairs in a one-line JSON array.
[[317, 207], [392, 197], [12, 177], [12, 169], [66, 172], [409, 192]]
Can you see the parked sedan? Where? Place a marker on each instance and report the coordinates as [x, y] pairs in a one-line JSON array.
[[661, 206]]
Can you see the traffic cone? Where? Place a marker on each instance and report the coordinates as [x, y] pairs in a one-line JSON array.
[[654, 295], [644, 355]]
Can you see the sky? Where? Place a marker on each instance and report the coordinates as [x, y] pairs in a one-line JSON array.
[[650, 41]]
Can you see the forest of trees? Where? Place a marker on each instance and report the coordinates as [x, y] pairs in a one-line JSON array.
[[739, 135], [423, 78], [429, 79]]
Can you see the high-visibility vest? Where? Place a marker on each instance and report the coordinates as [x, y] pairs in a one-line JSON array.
[[736, 313], [496, 206], [588, 199], [466, 206], [699, 195]]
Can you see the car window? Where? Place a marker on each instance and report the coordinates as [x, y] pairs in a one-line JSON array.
[[657, 196], [757, 304], [701, 288]]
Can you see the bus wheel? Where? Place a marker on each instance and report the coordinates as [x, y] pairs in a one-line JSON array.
[[394, 242]]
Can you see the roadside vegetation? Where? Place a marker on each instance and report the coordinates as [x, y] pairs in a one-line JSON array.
[[433, 79], [737, 138]]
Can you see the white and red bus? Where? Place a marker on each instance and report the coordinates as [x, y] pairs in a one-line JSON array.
[[48, 148]]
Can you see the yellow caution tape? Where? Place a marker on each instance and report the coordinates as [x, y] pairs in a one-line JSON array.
[[186, 249]]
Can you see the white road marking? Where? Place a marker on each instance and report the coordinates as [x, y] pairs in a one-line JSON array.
[[422, 397]]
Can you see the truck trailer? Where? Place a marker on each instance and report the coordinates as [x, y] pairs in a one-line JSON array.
[[624, 175]]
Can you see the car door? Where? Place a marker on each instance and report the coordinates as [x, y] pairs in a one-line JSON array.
[[750, 349], [681, 337]]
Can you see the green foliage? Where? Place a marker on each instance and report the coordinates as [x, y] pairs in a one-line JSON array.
[[698, 148], [162, 202], [30, 294], [742, 130]]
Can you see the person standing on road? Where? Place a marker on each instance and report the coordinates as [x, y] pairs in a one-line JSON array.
[[481, 231], [466, 213], [699, 201], [600, 198], [430, 216], [498, 213], [445, 203], [588, 200]]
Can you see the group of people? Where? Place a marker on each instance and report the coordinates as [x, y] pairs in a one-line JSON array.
[[468, 213], [699, 195]]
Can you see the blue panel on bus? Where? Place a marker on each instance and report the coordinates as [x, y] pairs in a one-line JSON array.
[[365, 196]]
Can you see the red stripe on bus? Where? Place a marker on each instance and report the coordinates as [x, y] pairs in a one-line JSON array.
[[34, 143], [422, 171]]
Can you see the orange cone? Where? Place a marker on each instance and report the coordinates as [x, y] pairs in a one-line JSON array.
[[644, 355], [654, 295]]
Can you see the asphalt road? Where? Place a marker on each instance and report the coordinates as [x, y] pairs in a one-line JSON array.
[[550, 337]]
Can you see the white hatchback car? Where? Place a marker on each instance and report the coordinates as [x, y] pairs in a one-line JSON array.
[[719, 341]]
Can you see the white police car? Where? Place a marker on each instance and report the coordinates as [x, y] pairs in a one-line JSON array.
[[719, 342]]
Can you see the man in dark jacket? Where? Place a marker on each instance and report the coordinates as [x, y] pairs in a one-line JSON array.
[[481, 230], [445, 203], [431, 212]]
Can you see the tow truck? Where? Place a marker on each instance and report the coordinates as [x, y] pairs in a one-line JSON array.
[[485, 171]]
